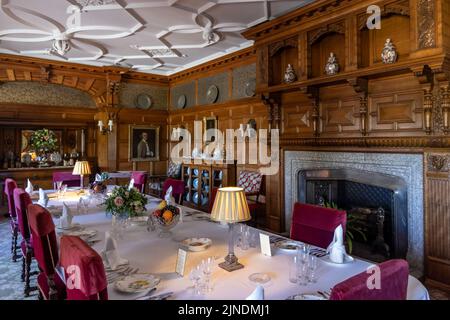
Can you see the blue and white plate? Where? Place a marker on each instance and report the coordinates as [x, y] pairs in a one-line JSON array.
[[195, 183], [204, 200], [195, 198], [195, 172]]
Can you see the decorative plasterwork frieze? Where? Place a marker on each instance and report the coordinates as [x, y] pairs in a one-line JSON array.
[[438, 162]]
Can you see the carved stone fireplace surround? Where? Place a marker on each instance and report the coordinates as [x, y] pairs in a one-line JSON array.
[[409, 167]]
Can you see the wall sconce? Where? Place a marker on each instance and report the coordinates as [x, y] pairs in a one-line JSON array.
[[102, 128], [446, 109], [428, 111]]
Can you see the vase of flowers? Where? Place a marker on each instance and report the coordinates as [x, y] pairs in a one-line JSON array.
[[43, 142], [124, 204]]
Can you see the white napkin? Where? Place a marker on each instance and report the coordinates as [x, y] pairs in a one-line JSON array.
[[29, 188], [110, 254], [65, 221], [336, 249], [170, 200], [131, 184], [98, 178], [257, 294], [43, 198]]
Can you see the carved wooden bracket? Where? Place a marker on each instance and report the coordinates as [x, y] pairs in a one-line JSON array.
[[273, 110], [45, 74], [361, 87], [425, 76], [313, 95], [113, 84]]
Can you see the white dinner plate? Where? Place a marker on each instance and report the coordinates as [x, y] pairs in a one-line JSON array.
[[286, 245], [136, 283], [197, 244], [306, 296]]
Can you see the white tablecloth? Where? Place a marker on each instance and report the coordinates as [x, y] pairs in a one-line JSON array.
[[155, 255]]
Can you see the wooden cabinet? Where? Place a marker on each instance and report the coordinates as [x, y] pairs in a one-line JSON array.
[[200, 179]]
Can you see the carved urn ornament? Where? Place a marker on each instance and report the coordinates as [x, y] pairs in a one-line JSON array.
[[389, 54], [289, 75], [332, 66]]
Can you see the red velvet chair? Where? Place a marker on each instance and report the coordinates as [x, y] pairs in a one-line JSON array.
[[45, 248], [315, 224], [67, 178], [10, 185], [393, 284], [140, 179], [84, 271], [177, 189], [21, 202], [213, 198], [252, 183]]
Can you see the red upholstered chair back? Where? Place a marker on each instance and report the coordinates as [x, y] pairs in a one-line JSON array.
[[315, 224], [393, 284], [21, 202], [67, 178], [84, 271], [10, 185], [177, 188], [140, 179], [213, 198], [250, 181], [44, 238]]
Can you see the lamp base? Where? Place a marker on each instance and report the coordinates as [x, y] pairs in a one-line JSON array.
[[231, 266], [231, 263]]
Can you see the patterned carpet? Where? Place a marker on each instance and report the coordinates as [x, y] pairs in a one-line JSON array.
[[11, 285]]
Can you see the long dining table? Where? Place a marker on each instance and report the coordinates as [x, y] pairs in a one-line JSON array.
[[152, 254]]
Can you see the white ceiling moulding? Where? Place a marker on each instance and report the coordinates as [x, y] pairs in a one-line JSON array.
[[161, 37]]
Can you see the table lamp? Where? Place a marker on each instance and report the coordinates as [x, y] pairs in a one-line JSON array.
[[231, 207], [81, 168]]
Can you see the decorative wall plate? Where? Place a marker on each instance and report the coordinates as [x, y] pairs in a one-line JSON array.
[[212, 94], [250, 88], [181, 103], [143, 101]]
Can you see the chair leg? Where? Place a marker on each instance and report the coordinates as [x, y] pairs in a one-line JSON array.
[[23, 268], [14, 245], [28, 288]]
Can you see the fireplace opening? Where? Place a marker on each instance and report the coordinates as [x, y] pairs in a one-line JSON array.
[[376, 206]]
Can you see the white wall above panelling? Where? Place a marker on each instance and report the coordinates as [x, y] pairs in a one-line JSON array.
[[157, 36]]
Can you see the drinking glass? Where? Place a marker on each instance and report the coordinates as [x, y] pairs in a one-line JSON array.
[[312, 269], [63, 189], [303, 252], [293, 269], [245, 239], [239, 232], [86, 202], [195, 276], [206, 267], [302, 275], [59, 188]]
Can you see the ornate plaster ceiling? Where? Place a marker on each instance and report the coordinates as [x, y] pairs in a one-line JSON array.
[[156, 36]]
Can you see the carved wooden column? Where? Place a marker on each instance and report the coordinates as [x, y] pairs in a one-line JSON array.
[[445, 106], [425, 76], [113, 82], [361, 87]]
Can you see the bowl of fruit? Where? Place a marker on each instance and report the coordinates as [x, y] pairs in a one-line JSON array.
[[165, 217]]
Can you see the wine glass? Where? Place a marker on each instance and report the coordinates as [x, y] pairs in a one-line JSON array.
[[59, 187], [195, 277], [303, 252], [206, 267]]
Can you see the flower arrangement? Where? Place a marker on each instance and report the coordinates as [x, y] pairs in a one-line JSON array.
[[123, 201], [43, 141]]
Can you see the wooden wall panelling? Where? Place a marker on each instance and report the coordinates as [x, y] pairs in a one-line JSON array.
[[437, 215]]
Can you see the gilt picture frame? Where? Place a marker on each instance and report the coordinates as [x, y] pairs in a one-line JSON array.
[[143, 143]]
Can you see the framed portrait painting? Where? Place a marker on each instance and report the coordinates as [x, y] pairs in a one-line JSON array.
[[144, 143]]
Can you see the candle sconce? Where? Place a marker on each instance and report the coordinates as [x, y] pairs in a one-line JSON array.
[[446, 109], [428, 111], [105, 130]]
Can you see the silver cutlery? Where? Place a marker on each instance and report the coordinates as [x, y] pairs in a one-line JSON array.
[[162, 296], [147, 294]]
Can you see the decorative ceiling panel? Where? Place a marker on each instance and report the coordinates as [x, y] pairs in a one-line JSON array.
[[157, 36]]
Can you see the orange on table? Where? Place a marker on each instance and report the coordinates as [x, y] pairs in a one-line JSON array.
[[167, 215]]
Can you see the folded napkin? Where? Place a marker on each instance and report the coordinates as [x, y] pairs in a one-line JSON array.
[[336, 249], [170, 200], [110, 254], [29, 188], [43, 198], [65, 221], [98, 178], [257, 294], [131, 184]]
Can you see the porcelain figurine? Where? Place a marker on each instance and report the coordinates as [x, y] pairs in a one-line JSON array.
[[332, 66], [389, 54], [289, 75]]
